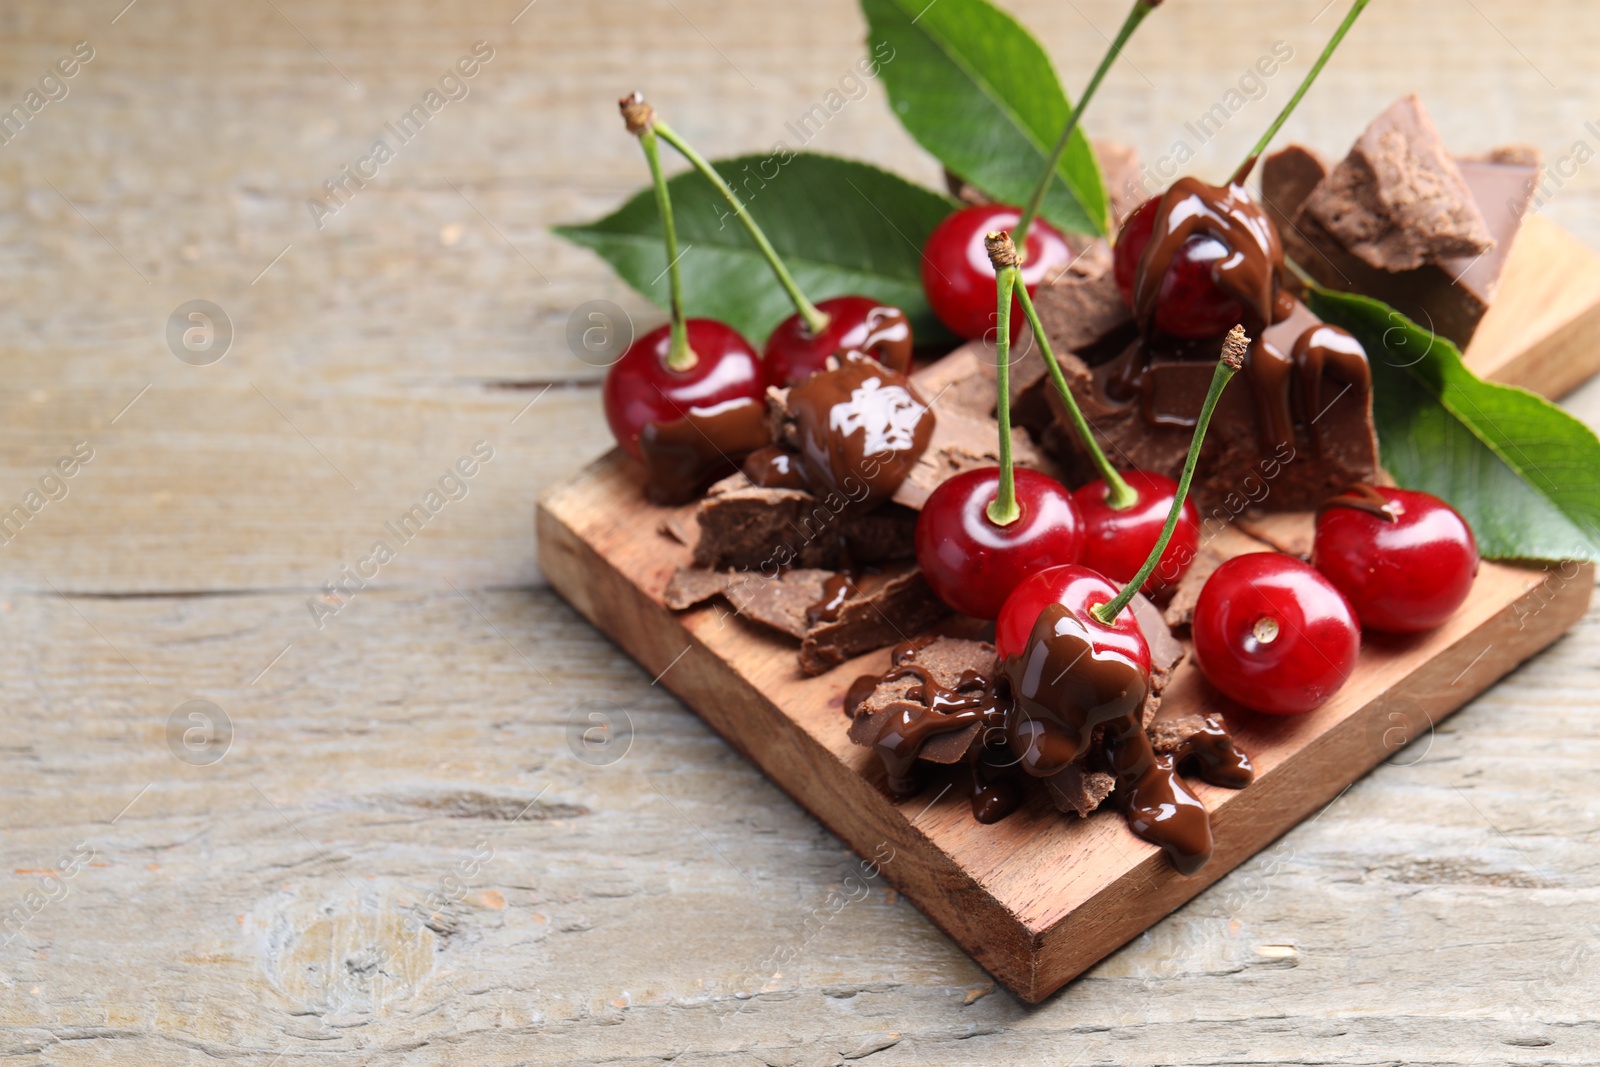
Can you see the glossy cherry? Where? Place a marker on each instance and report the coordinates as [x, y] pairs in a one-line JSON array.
[[958, 278], [1190, 304], [855, 324], [1273, 634], [1079, 590], [640, 388], [1405, 560], [972, 563], [1117, 543]]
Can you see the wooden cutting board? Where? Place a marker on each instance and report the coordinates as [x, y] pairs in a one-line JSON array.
[[1039, 897]]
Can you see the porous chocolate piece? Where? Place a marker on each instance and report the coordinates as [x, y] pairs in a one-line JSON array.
[[1078, 789], [1166, 652], [961, 391], [1152, 432], [1081, 313], [1398, 200], [886, 609], [1450, 292], [780, 602], [747, 527]]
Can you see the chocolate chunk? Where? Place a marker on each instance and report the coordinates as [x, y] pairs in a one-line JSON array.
[[694, 585], [1287, 178], [1450, 294], [949, 660], [1078, 789], [887, 609], [1119, 166], [779, 602], [674, 526], [1398, 200], [748, 527], [1331, 448], [961, 392], [1080, 313]]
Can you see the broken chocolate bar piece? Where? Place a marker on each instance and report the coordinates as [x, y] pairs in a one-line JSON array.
[[1078, 789], [951, 661], [961, 392], [748, 527], [1287, 178], [782, 603], [1398, 200], [886, 609], [1449, 292], [1328, 447]]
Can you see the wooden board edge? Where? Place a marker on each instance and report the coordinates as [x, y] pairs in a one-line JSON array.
[[972, 917], [1284, 799]]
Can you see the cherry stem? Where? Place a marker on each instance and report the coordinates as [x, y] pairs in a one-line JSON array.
[[1294, 101], [680, 357], [1003, 509], [1119, 494], [816, 321], [1030, 211], [1234, 347]]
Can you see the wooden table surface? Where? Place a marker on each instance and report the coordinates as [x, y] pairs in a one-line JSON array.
[[389, 851]]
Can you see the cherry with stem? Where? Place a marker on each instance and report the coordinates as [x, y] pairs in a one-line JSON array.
[[1232, 361], [1189, 301], [983, 532], [802, 343], [688, 367], [955, 272]]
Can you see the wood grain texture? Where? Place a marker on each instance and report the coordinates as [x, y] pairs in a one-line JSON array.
[[1441, 911], [1036, 898]]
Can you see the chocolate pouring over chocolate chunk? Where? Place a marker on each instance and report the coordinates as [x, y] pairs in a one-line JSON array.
[[1319, 452], [1400, 220]]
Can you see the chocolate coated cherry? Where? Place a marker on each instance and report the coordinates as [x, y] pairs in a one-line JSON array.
[[855, 324], [641, 388]]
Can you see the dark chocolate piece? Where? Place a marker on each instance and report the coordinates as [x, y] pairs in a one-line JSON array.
[[1151, 430], [1450, 292], [1287, 178], [1078, 789], [885, 609], [747, 527], [1398, 200], [771, 467]]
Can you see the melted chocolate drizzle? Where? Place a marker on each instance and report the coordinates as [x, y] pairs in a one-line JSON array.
[[773, 468], [1364, 497], [1063, 690], [861, 428], [1250, 274], [836, 589], [928, 710], [685, 455]]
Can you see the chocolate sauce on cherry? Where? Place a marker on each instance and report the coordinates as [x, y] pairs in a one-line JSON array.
[[1250, 275], [771, 467], [685, 455], [1062, 691], [862, 428], [1365, 498]]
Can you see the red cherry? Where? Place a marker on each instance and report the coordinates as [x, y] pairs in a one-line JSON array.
[[959, 279], [640, 388], [1079, 590], [1116, 543], [1273, 634], [855, 324], [1402, 574], [973, 564], [1190, 304]]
